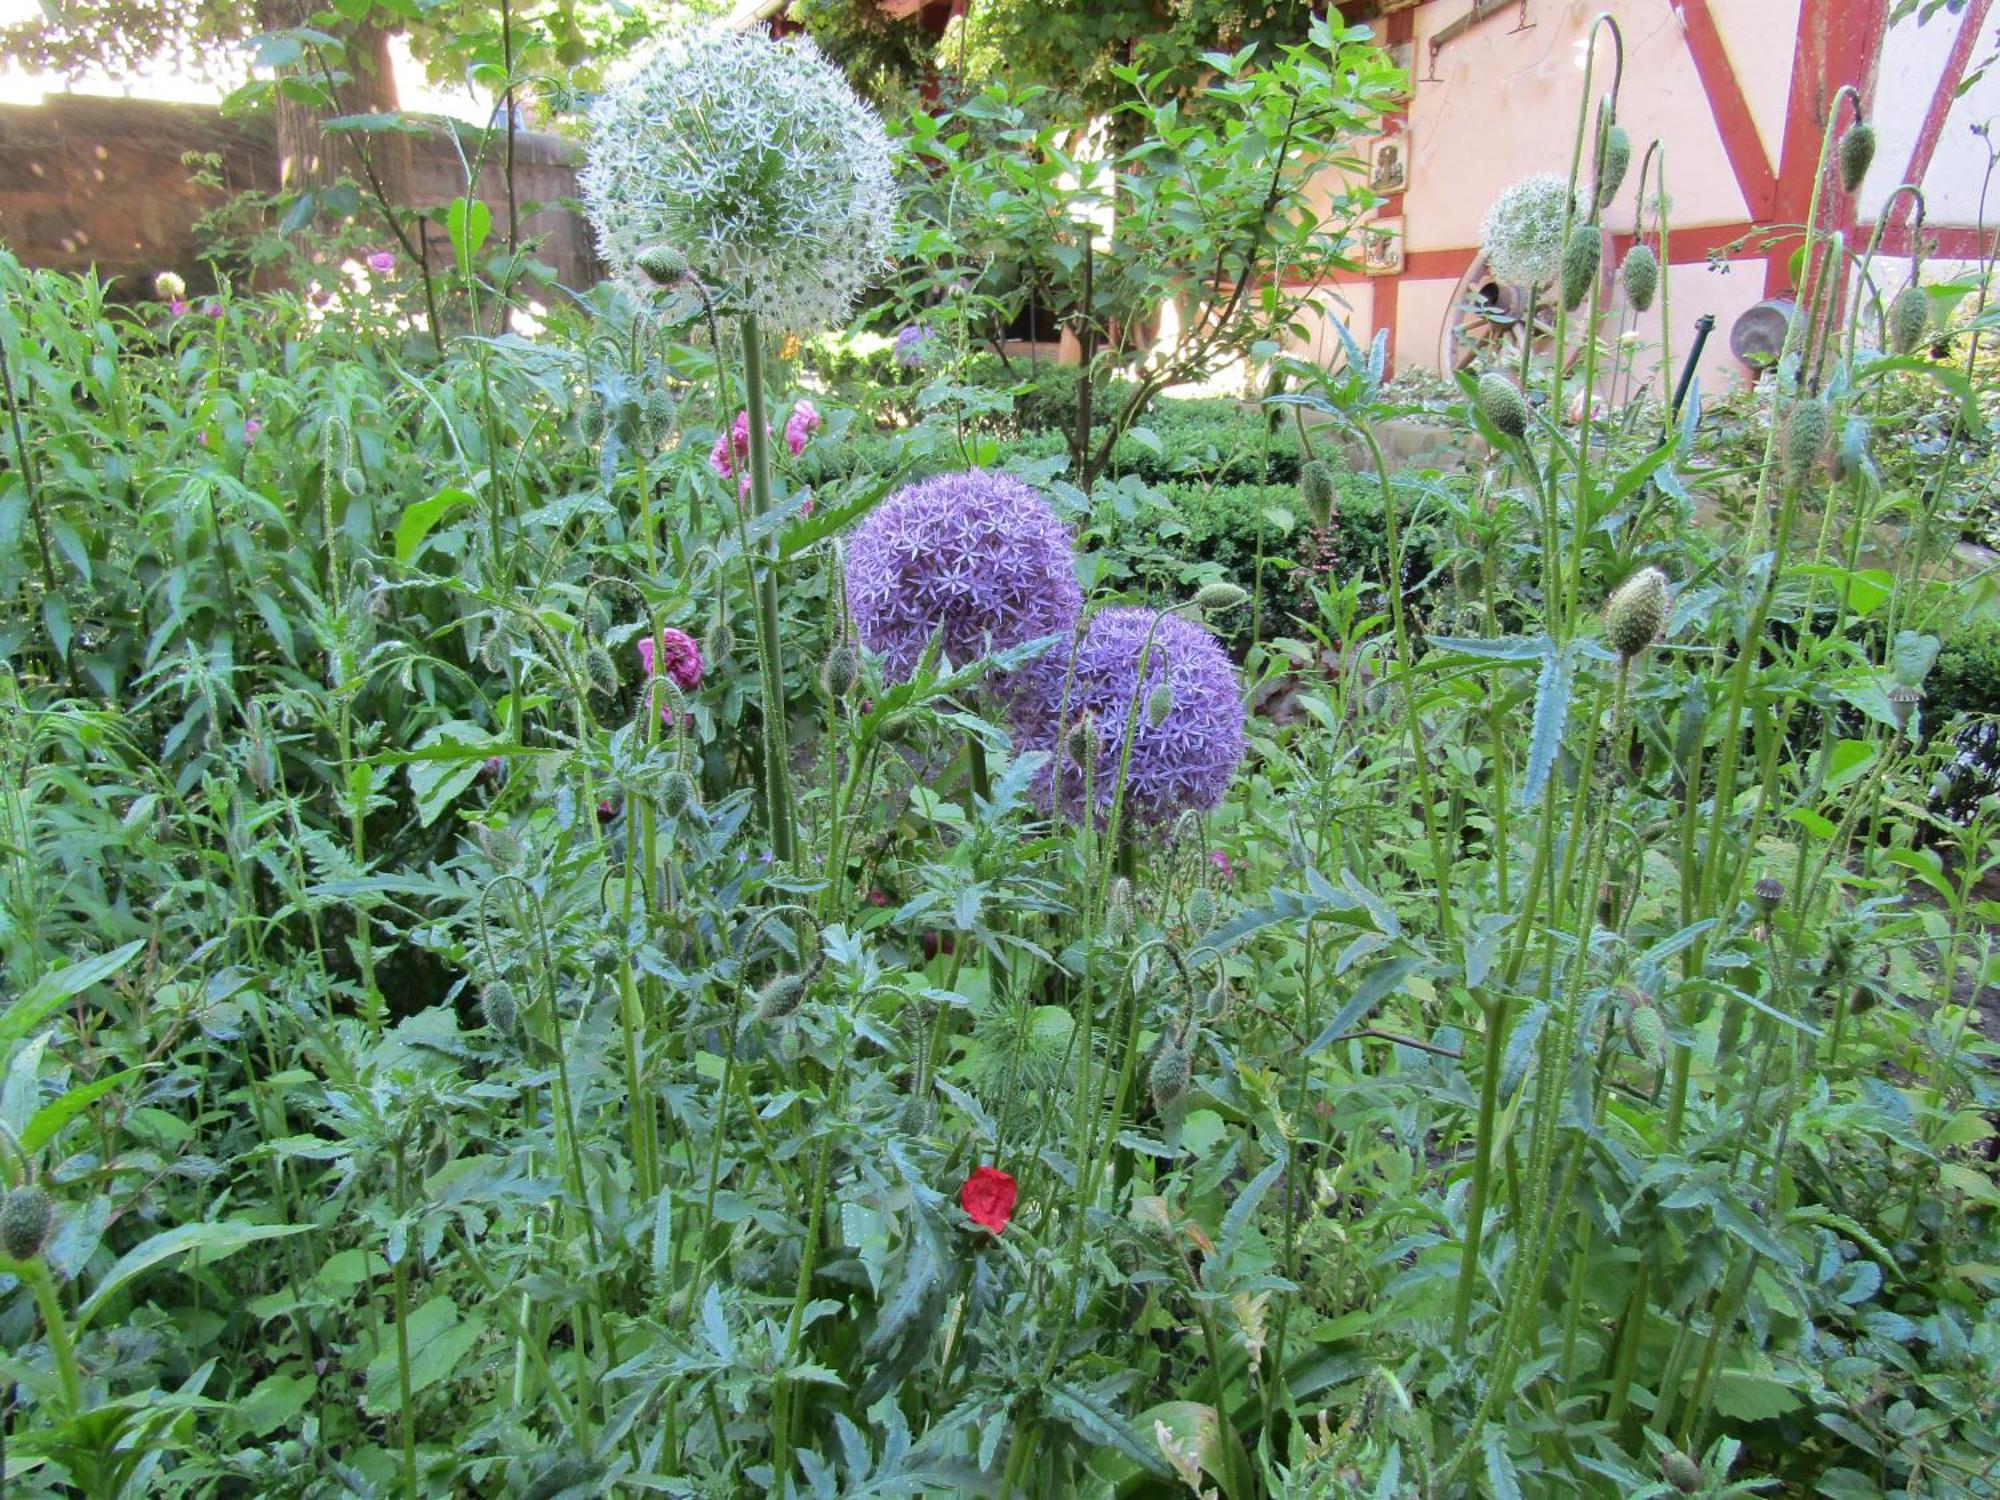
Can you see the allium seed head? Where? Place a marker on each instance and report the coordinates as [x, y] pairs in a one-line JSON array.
[[755, 160], [1522, 234], [1636, 613], [1502, 404], [1183, 763], [978, 556], [1641, 275]]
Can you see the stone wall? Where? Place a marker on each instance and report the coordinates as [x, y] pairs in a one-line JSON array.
[[87, 181]]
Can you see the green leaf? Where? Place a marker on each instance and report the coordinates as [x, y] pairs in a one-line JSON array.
[[275, 1402], [1092, 1419], [48, 993], [1500, 1473], [1381, 979], [51, 1117], [439, 1342], [436, 784], [420, 516], [211, 1241], [1849, 759], [1912, 656], [468, 222], [1552, 693]]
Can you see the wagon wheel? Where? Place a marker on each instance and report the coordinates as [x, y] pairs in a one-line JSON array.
[[1487, 322]]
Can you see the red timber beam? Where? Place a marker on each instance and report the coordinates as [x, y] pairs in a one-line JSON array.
[[1932, 130], [1730, 108], [1399, 28], [1839, 42]]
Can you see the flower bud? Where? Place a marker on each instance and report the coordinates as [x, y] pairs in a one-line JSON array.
[[601, 670], [1581, 258], [1909, 319], [1159, 703], [1169, 1076], [1213, 598], [1645, 1030], [499, 1009], [1118, 920], [780, 997], [1080, 742], [841, 670], [663, 265], [1680, 1471], [1316, 488], [27, 1217], [1641, 275], [676, 792], [1857, 151], [169, 287], [1201, 910], [1636, 613], [1806, 431], [499, 845], [1502, 404], [1617, 158]]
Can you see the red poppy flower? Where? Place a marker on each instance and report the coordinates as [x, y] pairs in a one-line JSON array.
[[988, 1198]]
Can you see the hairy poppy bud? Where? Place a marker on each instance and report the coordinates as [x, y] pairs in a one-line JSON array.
[[1857, 151], [1680, 1471], [601, 670], [1502, 404], [1213, 598], [1169, 1076], [1201, 909], [1909, 319], [676, 792], [498, 844], [1636, 613], [1806, 431], [1118, 910], [27, 1216], [1316, 488], [1617, 158], [498, 1008], [841, 671], [1581, 258], [1160, 703], [780, 997], [1641, 275], [1645, 1030], [663, 265]]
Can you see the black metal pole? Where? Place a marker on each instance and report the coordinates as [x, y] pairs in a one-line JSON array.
[[1703, 327]]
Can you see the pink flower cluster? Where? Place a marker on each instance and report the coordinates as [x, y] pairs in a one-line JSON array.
[[731, 453], [678, 658]]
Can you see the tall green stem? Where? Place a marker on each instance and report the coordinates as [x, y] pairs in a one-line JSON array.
[[777, 754]]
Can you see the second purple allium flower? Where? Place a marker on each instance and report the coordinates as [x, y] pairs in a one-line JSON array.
[[1186, 743], [977, 556]]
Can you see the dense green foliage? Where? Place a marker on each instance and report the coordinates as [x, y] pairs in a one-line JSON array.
[[1556, 1068]]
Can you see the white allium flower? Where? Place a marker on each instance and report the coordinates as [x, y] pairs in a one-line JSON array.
[[1522, 235], [755, 160]]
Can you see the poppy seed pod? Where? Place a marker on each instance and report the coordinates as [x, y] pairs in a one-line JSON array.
[[27, 1216], [1502, 404], [1806, 430], [1213, 598], [1641, 275], [1581, 258], [1636, 614], [1617, 158], [1857, 151], [1909, 319], [1903, 701], [1766, 894]]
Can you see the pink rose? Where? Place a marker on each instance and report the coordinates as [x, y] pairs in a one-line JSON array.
[[800, 426]]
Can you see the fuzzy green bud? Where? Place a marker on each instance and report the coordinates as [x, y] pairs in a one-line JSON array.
[[676, 792], [1641, 275], [27, 1217], [499, 845], [1502, 404], [1201, 909], [1214, 598], [1169, 1076], [1160, 703], [780, 997], [1636, 613], [1316, 488], [1617, 159], [1118, 919], [1909, 319], [1680, 1471], [1645, 1030], [1581, 258], [499, 1009], [719, 643], [601, 670], [1857, 151], [1806, 429], [841, 671], [663, 265]]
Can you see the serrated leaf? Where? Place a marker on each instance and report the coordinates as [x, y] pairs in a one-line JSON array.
[[1093, 1420], [1552, 695]]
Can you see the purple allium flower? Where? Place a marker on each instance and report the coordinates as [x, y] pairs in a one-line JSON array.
[[913, 345], [178, 307], [382, 262], [977, 555], [1184, 761], [800, 426]]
